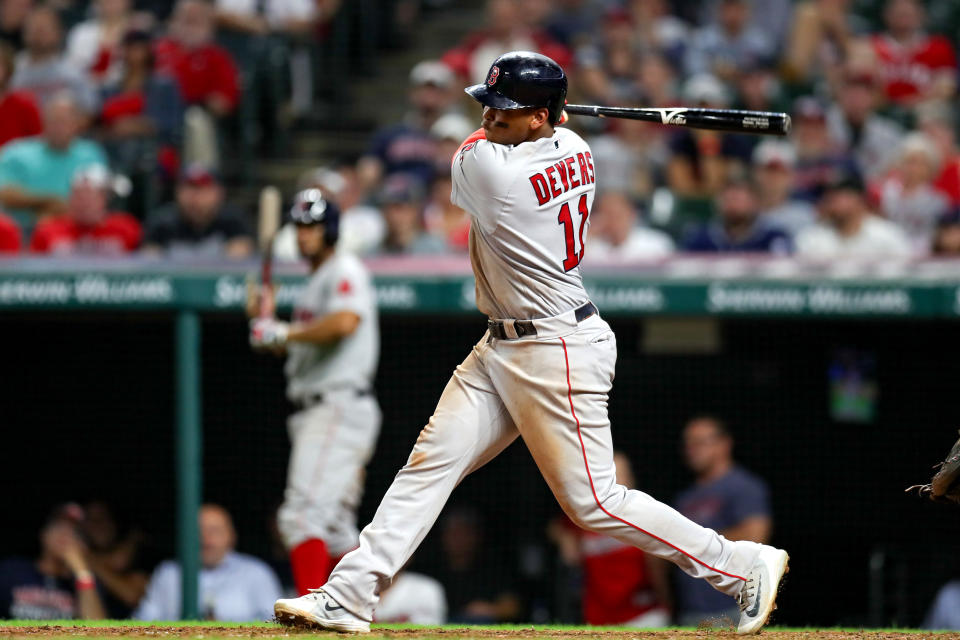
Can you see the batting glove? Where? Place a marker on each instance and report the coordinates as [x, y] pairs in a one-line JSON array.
[[268, 333]]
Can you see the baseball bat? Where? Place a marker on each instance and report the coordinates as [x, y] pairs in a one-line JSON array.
[[758, 122], [267, 224]]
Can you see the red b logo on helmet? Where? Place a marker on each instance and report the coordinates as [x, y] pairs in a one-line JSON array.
[[494, 73]]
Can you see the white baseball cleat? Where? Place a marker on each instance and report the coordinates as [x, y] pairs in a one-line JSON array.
[[757, 598], [318, 609]]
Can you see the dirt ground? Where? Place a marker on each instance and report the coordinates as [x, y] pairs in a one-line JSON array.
[[447, 633]]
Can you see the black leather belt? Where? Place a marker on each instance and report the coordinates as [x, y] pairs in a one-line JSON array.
[[527, 328], [316, 398]]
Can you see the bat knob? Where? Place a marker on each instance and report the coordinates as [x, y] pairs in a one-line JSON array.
[[787, 125]]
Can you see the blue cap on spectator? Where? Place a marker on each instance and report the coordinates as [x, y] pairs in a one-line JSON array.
[[842, 180], [401, 188], [809, 108], [198, 175]]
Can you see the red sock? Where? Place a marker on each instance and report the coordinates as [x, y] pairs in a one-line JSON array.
[[311, 565]]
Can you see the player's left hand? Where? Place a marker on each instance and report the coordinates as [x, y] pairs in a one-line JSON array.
[[268, 334]]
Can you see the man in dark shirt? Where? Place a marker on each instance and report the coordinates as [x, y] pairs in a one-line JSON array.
[[725, 497], [738, 226], [198, 224], [477, 585], [59, 584]]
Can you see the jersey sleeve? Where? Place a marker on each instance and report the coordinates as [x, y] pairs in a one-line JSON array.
[[352, 290], [481, 179]]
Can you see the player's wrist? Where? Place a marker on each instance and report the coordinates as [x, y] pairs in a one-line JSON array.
[[84, 580]]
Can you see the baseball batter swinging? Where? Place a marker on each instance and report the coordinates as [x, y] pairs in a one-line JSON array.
[[542, 371], [332, 348]]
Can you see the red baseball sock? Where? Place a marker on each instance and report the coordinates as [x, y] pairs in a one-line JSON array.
[[311, 565]]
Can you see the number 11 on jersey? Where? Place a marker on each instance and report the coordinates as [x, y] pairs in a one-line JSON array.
[[566, 219]]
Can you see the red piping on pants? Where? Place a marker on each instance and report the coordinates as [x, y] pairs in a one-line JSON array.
[[594, 490]]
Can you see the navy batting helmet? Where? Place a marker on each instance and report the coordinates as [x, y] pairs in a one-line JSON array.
[[310, 207], [522, 79]]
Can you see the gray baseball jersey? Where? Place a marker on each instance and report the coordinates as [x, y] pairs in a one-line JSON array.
[[530, 204], [341, 283]]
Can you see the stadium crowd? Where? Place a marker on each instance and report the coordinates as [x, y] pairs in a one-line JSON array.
[[163, 97], [92, 564]]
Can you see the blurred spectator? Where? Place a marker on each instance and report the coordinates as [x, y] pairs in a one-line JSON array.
[[820, 38], [142, 117], [402, 200], [448, 133], [700, 158], [114, 557], [617, 236], [658, 29], [855, 124], [631, 157], [88, 228], [914, 65], [739, 226], [444, 219], [441, 217], [946, 239], [774, 162], [92, 46], [725, 46], [507, 29], [571, 22], [758, 87], [408, 147], [819, 157], [476, 581], [19, 115], [621, 584], [848, 229], [606, 67], [262, 17], [908, 197], [42, 69], [412, 598], [944, 613], [233, 586], [10, 236], [657, 80], [198, 224], [205, 71], [13, 15], [725, 497], [35, 173], [59, 584], [771, 17], [937, 121]]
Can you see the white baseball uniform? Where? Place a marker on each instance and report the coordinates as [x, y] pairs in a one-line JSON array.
[[530, 205], [334, 433]]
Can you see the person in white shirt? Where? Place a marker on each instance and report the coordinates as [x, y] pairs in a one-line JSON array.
[[617, 235], [413, 598], [233, 586], [93, 46], [848, 229]]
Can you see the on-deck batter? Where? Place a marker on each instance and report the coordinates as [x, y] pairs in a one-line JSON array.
[[542, 371], [332, 349]]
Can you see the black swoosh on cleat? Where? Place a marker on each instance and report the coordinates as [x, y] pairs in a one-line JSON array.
[[327, 606], [756, 605]]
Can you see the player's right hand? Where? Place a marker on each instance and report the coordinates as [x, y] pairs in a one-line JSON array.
[[268, 334]]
